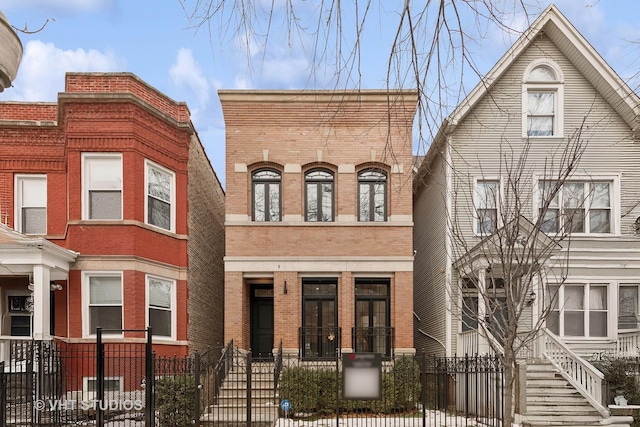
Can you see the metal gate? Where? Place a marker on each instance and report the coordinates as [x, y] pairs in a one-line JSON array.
[[58, 383]]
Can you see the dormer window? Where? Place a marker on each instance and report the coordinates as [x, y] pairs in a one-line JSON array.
[[542, 100]]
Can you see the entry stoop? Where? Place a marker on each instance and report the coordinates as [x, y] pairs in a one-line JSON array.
[[233, 403], [553, 402]]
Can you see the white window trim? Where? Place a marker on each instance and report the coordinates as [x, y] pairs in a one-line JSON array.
[[85, 301], [557, 87], [476, 203], [617, 307], [19, 197], [85, 184], [615, 199], [89, 395], [174, 305], [612, 313], [149, 164]]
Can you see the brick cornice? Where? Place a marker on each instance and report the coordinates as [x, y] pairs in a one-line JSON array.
[[94, 98]]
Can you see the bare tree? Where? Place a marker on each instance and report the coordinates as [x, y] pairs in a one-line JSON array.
[[427, 45], [502, 293]]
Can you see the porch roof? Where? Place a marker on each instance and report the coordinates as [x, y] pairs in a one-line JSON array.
[[521, 234], [19, 253]]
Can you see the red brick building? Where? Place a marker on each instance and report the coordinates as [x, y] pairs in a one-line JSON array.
[[111, 216], [319, 252]]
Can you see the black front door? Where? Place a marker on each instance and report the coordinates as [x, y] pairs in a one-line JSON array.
[[262, 322]]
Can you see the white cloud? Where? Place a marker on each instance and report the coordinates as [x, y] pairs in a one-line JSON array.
[[187, 72], [66, 6], [41, 73]]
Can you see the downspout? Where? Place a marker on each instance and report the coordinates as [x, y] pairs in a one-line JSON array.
[[448, 248]]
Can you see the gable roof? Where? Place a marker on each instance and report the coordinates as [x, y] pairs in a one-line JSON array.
[[553, 24]]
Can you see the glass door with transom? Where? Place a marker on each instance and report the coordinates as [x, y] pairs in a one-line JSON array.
[[372, 333], [319, 335]]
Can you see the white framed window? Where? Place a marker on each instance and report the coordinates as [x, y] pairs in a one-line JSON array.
[[486, 203], [161, 312], [628, 306], [102, 186], [102, 297], [577, 206], [542, 100], [160, 207], [579, 310], [31, 204]]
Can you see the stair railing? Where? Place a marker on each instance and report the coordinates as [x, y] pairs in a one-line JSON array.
[[582, 375], [277, 367], [222, 369]]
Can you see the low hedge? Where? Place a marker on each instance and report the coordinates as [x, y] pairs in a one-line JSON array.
[[313, 391]]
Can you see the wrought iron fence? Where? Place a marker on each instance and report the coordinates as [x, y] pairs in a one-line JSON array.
[[55, 383]]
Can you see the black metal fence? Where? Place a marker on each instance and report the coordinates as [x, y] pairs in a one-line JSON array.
[[57, 383]]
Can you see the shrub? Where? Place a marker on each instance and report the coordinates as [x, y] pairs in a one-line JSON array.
[[621, 377], [175, 397], [407, 386], [313, 391]]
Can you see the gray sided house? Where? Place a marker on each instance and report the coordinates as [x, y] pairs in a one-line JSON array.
[[550, 118]]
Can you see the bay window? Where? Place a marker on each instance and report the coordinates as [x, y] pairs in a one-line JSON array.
[[160, 197]]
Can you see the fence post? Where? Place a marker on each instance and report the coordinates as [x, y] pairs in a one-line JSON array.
[[3, 396], [249, 388], [196, 373], [466, 385], [149, 412], [99, 377], [338, 386]]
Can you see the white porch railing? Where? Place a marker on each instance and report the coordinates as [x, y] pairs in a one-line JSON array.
[[578, 372], [475, 342], [16, 363], [628, 343], [468, 342]]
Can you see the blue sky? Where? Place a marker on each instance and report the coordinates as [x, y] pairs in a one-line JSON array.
[[153, 39]]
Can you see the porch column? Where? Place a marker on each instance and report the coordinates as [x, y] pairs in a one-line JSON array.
[[483, 343], [536, 308], [41, 302]]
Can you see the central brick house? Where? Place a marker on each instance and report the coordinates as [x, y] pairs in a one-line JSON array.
[[319, 253]]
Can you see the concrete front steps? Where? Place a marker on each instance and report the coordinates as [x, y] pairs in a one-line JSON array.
[[231, 408], [552, 401]]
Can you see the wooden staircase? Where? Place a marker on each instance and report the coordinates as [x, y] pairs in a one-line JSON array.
[[552, 401], [232, 406]]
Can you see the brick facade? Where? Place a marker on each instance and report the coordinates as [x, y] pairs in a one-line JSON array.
[[343, 133], [119, 113]]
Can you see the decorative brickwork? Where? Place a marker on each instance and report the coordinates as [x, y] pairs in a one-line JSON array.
[[293, 132], [120, 114]]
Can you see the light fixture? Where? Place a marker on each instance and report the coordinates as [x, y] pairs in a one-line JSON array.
[[532, 298], [285, 287]]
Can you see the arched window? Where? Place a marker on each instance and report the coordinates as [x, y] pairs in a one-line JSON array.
[[319, 195], [372, 195], [266, 195], [542, 102]]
